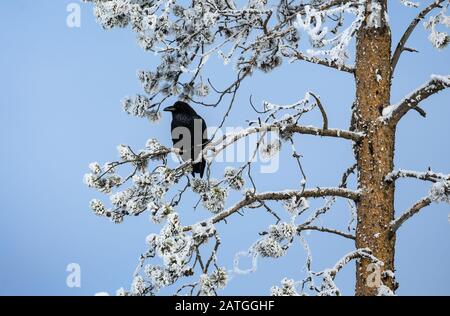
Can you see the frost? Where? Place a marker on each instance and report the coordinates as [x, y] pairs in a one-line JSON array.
[[214, 199], [271, 149], [201, 232], [125, 152], [375, 17], [269, 247], [282, 231], [206, 286], [140, 106], [98, 208], [219, 278], [234, 178], [443, 79], [312, 22], [296, 205], [202, 90], [287, 288], [121, 292], [439, 39], [416, 96], [328, 287], [95, 168], [410, 4], [199, 185], [440, 192], [383, 290], [388, 111], [138, 286]]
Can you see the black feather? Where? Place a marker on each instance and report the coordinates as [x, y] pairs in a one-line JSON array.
[[189, 135]]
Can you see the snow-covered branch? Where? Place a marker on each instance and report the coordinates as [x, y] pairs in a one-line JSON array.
[[336, 133], [401, 45], [394, 113], [253, 35], [426, 176], [415, 209], [328, 287], [251, 198], [440, 192], [227, 140], [296, 55]]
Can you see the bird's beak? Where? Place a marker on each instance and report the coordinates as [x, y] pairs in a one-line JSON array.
[[169, 109]]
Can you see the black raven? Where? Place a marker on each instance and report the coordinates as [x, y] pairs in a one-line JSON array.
[[189, 134]]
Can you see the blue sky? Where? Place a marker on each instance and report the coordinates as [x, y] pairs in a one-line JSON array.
[[60, 110]]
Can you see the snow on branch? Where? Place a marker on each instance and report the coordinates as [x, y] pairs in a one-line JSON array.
[[333, 47], [439, 39], [297, 55], [252, 35], [439, 192], [229, 139], [180, 248], [415, 209], [251, 198], [328, 287], [280, 237], [401, 45], [336, 133], [394, 113], [426, 176], [410, 4]]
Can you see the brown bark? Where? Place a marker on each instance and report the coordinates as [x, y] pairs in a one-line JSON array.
[[374, 154]]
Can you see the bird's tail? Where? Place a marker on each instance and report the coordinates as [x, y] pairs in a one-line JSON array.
[[199, 167]]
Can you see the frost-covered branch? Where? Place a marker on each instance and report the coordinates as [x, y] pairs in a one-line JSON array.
[[401, 45], [328, 287], [440, 192], [296, 55], [283, 196], [426, 176], [254, 35], [306, 130], [394, 113]]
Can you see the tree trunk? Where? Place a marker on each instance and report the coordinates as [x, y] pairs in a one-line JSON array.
[[375, 154]]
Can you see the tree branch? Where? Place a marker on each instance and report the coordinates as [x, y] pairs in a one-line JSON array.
[[322, 111], [401, 45], [337, 133], [364, 253], [394, 113], [282, 196], [222, 143], [426, 176], [328, 63], [326, 230], [395, 224]]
